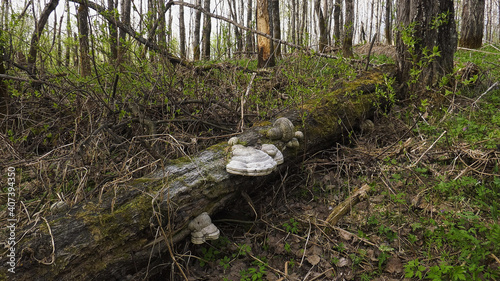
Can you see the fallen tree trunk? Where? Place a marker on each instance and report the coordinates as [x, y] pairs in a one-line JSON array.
[[118, 236]]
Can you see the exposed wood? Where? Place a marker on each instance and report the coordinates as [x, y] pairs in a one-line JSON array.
[[343, 208], [264, 46], [117, 236]]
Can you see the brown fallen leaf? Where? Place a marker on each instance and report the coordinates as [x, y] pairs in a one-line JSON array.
[[313, 259], [394, 265]]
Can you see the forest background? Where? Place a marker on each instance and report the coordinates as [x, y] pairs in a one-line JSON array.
[[96, 94]]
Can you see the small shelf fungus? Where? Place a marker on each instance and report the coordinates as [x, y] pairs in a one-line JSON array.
[[274, 152], [283, 130], [248, 161], [202, 229]]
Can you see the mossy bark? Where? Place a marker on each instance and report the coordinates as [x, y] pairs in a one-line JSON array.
[[115, 238]]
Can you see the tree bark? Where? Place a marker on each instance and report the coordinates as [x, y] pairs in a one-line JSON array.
[[83, 38], [427, 27], [122, 51], [264, 47], [182, 32], [68, 33], [113, 32], [196, 33], [293, 8], [336, 20], [348, 29], [303, 25], [276, 23], [323, 31], [388, 21], [207, 27], [471, 32], [114, 238], [249, 40]]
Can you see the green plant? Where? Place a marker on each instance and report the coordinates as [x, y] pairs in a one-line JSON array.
[[292, 226], [225, 262], [209, 255], [244, 249], [340, 247], [254, 273], [287, 247], [414, 269], [386, 96], [387, 232], [384, 255]]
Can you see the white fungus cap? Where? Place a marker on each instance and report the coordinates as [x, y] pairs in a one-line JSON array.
[[248, 161]]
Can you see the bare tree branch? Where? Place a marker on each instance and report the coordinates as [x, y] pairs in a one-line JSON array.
[[103, 12]]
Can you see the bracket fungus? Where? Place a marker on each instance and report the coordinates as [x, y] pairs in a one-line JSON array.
[[203, 229], [248, 161], [274, 152], [283, 130], [233, 141]]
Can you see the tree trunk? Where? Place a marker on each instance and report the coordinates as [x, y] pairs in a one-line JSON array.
[[371, 21], [150, 20], [35, 37], [336, 20], [428, 27], [348, 29], [115, 238], [323, 32], [162, 27], [264, 47], [196, 32], [237, 33], [471, 33], [59, 42], [68, 33], [122, 51], [294, 17], [182, 32], [303, 24], [113, 32], [276, 24], [207, 27], [249, 40], [388, 21], [83, 37]]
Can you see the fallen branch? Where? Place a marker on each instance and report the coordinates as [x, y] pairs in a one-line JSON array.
[[343, 208]]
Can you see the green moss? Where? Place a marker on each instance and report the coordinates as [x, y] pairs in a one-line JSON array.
[[346, 103]]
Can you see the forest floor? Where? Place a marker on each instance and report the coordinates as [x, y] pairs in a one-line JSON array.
[[432, 211], [432, 164]]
